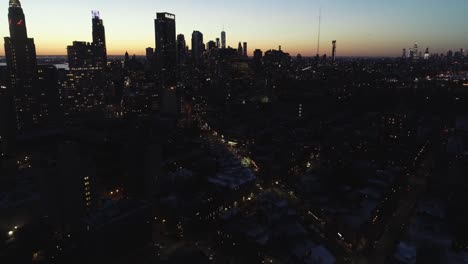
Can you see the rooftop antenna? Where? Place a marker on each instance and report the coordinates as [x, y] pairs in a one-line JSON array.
[[95, 14], [319, 28]]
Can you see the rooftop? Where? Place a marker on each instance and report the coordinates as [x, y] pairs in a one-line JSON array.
[[15, 3]]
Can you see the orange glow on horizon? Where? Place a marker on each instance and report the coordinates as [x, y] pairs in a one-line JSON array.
[[118, 44], [54, 50]]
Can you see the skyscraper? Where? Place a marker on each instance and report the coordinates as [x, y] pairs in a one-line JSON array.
[[99, 38], [166, 60], [20, 53], [334, 51], [426, 54], [411, 54], [245, 49], [86, 83], [165, 34], [149, 54], [210, 46], [449, 54], [258, 54], [83, 56], [239, 50], [90, 55], [181, 49], [218, 44], [257, 58], [415, 52], [197, 46], [223, 39], [126, 59]]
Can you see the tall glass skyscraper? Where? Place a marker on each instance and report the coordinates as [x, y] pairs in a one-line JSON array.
[[197, 46], [166, 59], [99, 37], [223, 39], [165, 33], [181, 46]]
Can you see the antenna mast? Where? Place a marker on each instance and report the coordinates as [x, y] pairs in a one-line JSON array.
[[320, 26]]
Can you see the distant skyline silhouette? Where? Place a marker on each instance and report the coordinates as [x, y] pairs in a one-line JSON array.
[[361, 27]]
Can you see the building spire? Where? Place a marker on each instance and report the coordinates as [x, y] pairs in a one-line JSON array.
[[95, 14], [15, 3]]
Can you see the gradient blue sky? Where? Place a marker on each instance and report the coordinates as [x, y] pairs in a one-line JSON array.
[[361, 27]]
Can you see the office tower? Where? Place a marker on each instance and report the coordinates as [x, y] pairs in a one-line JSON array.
[[197, 46], [165, 33], [218, 43], [299, 57], [223, 39], [404, 55], [245, 49], [89, 56], [449, 54], [85, 83], [258, 54], [211, 45], [411, 54], [99, 38], [276, 57], [126, 59], [415, 52], [20, 53], [150, 54], [239, 50], [426, 54], [257, 57], [83, 56], [181, 49], [116, 83], [166, 58], [334, 51]]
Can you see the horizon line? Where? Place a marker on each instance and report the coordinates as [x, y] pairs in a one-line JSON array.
[[292, 56]]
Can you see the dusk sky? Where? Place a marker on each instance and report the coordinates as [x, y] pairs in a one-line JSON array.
[[361, 27]]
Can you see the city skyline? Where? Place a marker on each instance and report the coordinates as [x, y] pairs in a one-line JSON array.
[[349, 150], [258, 24]]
